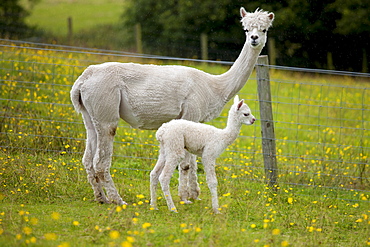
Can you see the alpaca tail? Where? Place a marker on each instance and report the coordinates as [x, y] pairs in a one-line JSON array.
[[76, 97], [76, 91]]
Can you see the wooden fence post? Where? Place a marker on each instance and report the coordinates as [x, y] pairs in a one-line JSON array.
[[267, 123], [272, 51], [138, 38], [70, 28], [204, 45]]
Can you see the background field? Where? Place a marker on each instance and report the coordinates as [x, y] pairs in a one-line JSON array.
[[322, 132], [52, 15]]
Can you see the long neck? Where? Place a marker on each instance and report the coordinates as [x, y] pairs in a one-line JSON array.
[[236, 77], [231, 132]]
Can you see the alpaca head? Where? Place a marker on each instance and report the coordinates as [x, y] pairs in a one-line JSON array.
[[241, 112], [255, 26]]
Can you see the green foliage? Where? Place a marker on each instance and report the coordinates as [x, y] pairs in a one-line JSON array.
[[303, 30], [12, 19], [355, 17], [51, 16]]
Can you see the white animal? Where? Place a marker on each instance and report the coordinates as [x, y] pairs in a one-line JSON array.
[[146, 96], [179, 136]]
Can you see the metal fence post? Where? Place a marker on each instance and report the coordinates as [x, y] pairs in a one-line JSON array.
[[267, 123]]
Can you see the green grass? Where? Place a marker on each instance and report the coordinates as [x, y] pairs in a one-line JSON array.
[[48, 201], [45, 199], [52, 15]]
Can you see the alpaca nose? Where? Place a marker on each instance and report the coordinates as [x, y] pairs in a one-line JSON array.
[[253, 120], [254, 37]]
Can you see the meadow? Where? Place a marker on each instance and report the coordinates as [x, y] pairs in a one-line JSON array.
[[322, 136], [52, 15]]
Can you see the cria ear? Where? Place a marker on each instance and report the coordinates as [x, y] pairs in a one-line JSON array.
[[243, 13], [236, 99], [239, 105]]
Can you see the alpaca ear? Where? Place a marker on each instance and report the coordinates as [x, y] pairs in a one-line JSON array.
[[271, 16], [240, 105], [243, 13], [236, 99]]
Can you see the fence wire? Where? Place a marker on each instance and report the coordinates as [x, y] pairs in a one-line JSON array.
[[322, 118]]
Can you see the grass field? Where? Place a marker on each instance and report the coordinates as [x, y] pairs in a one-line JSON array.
[[45, 200], [52, 15]]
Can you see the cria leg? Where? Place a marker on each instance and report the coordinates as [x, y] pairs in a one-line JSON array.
[[88, 157], [172, 160], [154, 179], [193, 185], [209, 168], [184, 167], [188, 181]]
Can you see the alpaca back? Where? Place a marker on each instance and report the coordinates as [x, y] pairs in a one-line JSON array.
[[180, 134]]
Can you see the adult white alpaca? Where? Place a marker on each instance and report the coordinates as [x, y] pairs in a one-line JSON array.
[[177, 136], [145, 96]]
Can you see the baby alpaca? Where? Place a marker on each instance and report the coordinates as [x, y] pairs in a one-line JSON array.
[[178, 136]]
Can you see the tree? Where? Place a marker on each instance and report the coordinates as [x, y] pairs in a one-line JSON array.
[[175, 26], [354, 26], [12, 19], [307, 33], [303, 31]]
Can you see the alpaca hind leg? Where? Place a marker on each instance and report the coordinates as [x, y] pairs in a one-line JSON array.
[[103, 158], [154, 179], [88, 157], [172, 161], [184, 180], [209, 168], [193, 185], [103, 107], [188, 181]]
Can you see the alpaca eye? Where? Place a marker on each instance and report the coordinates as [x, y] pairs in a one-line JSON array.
[[246, 114], [264, 30], [246, 30]]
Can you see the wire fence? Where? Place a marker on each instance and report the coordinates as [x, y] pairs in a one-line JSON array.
[[321, 118]]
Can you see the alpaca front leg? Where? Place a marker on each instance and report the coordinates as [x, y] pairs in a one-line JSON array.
[[154, 179]]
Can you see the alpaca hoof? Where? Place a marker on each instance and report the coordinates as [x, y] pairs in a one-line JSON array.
[[101, 201], [217, 211], [186, 202], [120, 202]]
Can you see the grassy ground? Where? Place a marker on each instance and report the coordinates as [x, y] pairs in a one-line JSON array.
[[51, 15], [45, 199], [47, 202]]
